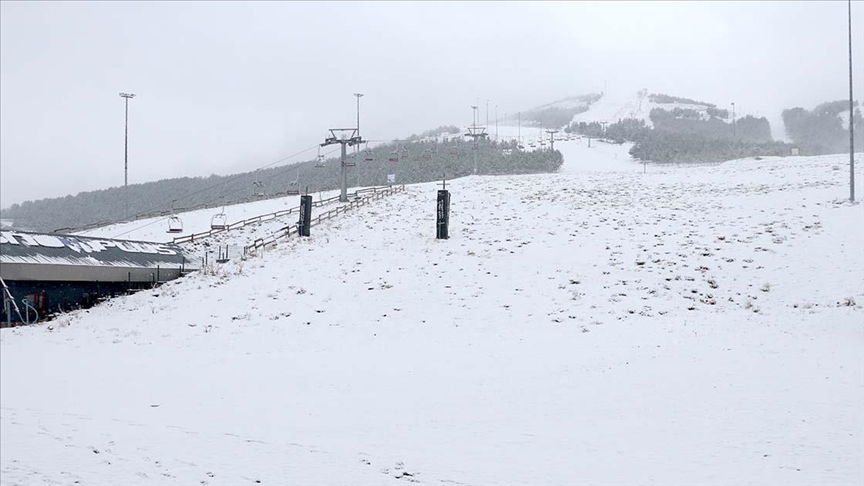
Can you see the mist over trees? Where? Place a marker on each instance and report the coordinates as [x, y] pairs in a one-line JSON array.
[[821, 130], [444, 129], [687, 135], [410, 162], [559, 113]]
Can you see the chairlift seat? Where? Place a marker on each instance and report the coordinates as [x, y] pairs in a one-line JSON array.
[[219, 222], [175, 225]]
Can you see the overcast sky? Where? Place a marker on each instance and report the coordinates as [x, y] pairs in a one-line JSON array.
[[224, 87]]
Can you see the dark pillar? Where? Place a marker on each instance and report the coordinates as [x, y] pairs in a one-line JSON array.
[[443, 218], [305, 222]]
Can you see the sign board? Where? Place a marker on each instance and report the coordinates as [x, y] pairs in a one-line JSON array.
[[305, 222], [391, 178], [443, 215]]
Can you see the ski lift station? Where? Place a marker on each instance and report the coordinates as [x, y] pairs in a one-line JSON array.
[[42, 274]]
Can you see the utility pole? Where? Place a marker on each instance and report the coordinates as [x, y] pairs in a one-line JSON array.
[[734, 135], [552, 139], [487, 113], [476, 132], [496, 123], [358, 96], [345, 140], [126, 154], [519, 130], [851, 117]]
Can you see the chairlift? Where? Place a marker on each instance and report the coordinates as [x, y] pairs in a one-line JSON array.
[[368, 154], [427, 155], [319, 161], [219, 221], [351, 161], [257, 187], [394, 157], [294, 186], [175, 225]]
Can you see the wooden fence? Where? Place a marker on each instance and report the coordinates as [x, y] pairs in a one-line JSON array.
[[269, 216], [376, 193]]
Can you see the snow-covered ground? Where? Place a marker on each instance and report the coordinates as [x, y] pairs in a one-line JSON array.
[[596, 326]]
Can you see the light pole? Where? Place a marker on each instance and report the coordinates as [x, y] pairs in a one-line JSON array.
[[487, 113], [496, 123], [126, 154], [519, 130], [851, 118], [358, 95], [733, 121], [357, 147]]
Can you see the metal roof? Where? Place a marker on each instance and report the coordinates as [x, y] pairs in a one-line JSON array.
[[18, 247]]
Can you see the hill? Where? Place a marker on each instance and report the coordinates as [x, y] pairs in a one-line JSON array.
[[594, 326], [410, 162]]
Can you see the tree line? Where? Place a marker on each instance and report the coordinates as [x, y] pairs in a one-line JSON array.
[[410, 162]]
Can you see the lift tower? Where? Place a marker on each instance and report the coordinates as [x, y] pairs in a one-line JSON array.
[[347, 137]]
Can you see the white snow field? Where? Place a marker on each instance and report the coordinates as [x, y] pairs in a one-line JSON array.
[[598, 326]]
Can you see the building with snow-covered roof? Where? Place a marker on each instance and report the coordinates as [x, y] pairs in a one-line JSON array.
[[43, 274]]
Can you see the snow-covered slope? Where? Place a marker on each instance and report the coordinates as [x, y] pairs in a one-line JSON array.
[[156, 229], [617, 106], [596, 326]]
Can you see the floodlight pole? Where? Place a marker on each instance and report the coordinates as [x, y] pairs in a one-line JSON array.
[[734, 135], [354, 139], [519, 130], [358, 95], [851, 117], [496, 123], [126, 154]]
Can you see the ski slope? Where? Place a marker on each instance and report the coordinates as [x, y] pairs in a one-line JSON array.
[[596, 326], [156, 229], [614, 107]]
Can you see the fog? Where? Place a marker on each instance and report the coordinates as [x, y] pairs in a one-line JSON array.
[[223, 87]]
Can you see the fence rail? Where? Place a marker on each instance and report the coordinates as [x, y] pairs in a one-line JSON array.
[[270, 216], [376, 193]]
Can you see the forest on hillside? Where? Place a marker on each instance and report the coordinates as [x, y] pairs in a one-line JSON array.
[[410, 162], [687, 135]]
